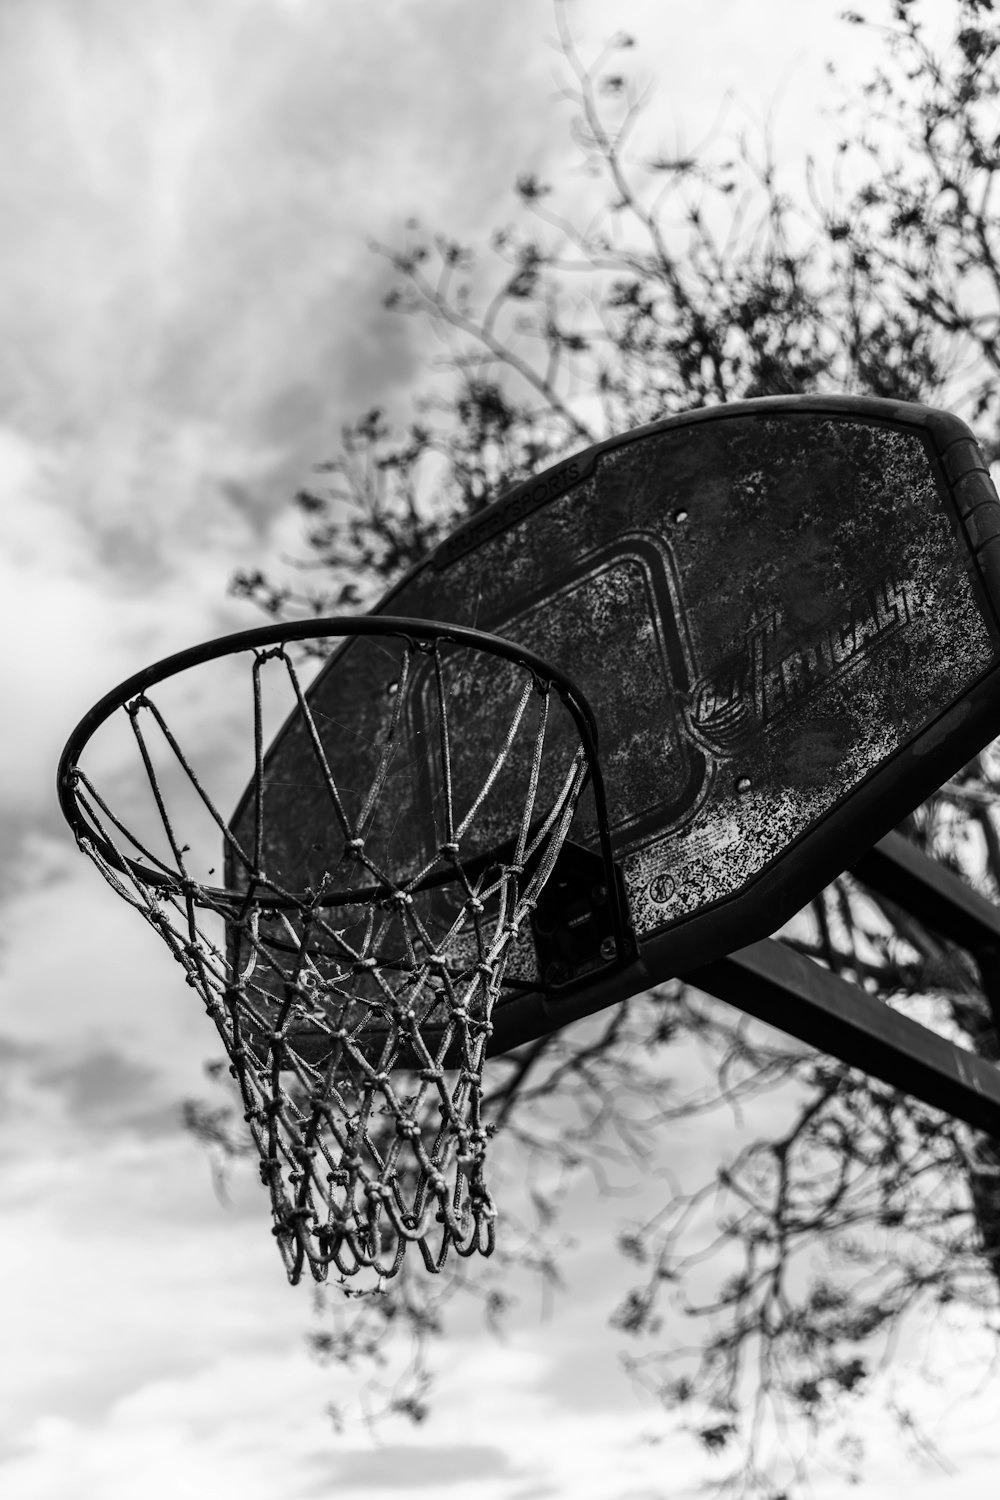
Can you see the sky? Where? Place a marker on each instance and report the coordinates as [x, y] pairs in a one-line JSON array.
[[189, 310]]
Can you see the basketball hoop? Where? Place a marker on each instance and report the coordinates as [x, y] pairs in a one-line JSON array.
[[353, 984]]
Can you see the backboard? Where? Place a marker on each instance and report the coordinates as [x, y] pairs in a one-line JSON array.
[[784, 616]]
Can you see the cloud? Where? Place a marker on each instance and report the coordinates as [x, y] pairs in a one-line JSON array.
[[406, 1468], [86, 976], [104, 1091], [185, 289]]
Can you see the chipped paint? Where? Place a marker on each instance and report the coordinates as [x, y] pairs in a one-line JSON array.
[[762, 611]]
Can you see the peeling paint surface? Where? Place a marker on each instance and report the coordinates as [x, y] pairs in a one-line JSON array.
[[761, 611]]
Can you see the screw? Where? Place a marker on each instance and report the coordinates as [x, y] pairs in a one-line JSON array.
[[609, 949]]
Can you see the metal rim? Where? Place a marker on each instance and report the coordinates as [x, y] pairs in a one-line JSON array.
[[405, 627]]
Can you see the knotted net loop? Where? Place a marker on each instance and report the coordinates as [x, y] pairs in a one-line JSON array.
[[352, 978]]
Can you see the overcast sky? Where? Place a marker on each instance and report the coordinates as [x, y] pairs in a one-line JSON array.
[[188, 312]]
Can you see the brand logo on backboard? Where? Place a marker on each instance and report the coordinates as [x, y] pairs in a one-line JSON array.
[[724, 712]]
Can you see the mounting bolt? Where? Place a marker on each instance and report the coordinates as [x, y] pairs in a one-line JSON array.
[[609, 949]]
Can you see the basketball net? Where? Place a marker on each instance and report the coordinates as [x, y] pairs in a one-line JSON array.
[[356, 1012]]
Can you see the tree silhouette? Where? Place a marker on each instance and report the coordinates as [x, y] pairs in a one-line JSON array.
[[698, 279]]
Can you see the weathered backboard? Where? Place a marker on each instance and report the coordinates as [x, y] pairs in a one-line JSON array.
[[784, 614]]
